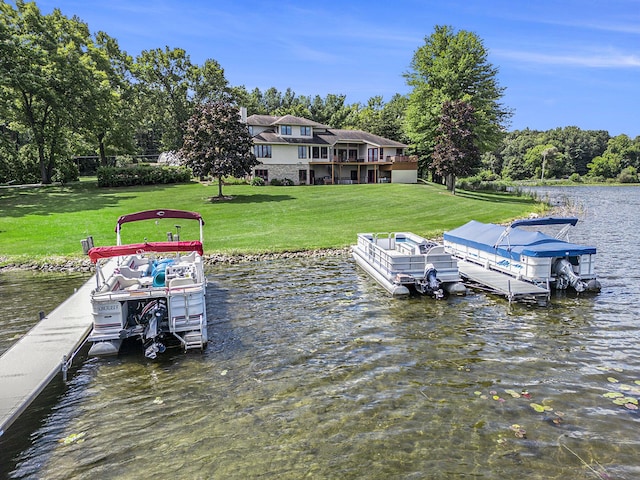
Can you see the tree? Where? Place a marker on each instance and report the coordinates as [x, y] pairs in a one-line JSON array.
[[217, 143], [453, 67], [455, 153], [170, 87], [47, 79], [112, 121]]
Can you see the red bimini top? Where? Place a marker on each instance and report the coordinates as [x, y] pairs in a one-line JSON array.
[[96, 253]]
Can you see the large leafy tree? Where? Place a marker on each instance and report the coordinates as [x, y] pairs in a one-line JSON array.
[[456, 152], [453, 66], [217, 143], [169, 87], [47, 80], [112, 123]]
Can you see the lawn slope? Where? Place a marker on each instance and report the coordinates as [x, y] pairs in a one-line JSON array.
[[51, 221]]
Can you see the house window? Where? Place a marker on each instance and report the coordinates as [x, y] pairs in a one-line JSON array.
[[263, 174], [305, 131], [324, 152], [372, 155], [262, 151], [381, 154], [302, 151], [315, 152], [285, 129]]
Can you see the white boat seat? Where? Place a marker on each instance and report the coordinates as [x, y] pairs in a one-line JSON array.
[[181, 282], [130, 272], [120, 282]]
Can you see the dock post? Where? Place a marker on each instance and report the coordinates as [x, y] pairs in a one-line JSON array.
[[64, 368]]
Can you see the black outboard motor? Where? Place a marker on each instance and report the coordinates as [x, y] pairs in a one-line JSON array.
[[154, 317]]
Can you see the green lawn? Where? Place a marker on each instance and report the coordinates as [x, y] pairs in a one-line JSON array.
[[51, 221]]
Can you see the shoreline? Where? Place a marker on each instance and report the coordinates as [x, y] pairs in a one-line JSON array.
[[84, 265]]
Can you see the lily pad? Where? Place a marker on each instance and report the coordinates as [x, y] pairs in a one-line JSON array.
[[513, 393], [612, 380], [540, 408], [613, 395], [73, 438], [631, 406]]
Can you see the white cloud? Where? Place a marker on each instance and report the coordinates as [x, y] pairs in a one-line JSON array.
[[588, 60]]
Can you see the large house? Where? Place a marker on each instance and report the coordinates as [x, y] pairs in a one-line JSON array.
[[308, 152]]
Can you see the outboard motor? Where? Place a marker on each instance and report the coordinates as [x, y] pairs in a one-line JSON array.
[[565, 276], [430, 283], [154, 316]]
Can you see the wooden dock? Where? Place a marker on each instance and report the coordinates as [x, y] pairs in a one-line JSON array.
[[502, 284], [32, 362]]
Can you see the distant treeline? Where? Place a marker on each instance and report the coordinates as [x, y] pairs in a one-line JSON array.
[[67, 95]]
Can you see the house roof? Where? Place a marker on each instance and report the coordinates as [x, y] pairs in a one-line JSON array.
[[268, 120], [356, 136], [273, 138], [330, 136]]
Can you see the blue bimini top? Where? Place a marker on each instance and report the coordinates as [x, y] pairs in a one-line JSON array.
[[517, 242]]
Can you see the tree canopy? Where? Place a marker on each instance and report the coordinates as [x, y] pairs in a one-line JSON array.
[[67, 93], [217, 143], [453, 66], [455, 153], [51, 75]]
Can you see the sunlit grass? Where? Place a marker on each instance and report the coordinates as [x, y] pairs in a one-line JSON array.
[[51, 221]]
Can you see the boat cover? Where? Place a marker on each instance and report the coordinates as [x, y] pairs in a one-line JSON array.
[[97, 253], [155, 214], [483, 236]]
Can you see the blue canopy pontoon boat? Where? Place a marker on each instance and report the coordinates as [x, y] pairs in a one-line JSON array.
[[530, 256]]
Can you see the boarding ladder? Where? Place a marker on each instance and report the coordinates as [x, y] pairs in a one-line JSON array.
[[191, 326]]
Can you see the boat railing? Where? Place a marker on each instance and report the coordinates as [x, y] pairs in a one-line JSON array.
[[388, 257]]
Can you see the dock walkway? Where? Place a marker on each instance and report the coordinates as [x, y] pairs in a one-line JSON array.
[[32, 362], [502, 284]]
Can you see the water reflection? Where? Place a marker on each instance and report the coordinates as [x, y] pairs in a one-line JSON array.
[[313, 371]]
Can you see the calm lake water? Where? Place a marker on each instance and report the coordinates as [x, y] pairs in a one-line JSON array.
[[313, 371]]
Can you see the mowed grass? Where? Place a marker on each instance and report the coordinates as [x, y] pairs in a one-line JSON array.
[[51, 221]]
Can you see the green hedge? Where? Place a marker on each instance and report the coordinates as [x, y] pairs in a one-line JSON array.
[[142, 175]]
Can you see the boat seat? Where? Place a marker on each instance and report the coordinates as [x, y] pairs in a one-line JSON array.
[[129, 272], [181, 282], [120, 282]]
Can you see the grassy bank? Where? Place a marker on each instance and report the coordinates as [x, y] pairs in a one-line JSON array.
[[51, 221]]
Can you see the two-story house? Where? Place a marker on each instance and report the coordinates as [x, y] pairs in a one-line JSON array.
[[308, 152]]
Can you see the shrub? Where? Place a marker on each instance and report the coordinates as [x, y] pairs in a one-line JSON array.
[[287, 182], [257, 182], [276, 182], [575, 178], [628, 175], [142, 174]]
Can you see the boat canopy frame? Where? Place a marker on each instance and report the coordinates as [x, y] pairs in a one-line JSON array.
[[156, 215]]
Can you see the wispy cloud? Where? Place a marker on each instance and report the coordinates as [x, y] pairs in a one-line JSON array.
[[593, 60]]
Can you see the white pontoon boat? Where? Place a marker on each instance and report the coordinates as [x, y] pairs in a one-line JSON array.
[[404, 263], [153, 291], [530, 256]]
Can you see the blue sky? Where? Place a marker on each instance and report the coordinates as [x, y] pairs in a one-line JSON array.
[[563, 62]]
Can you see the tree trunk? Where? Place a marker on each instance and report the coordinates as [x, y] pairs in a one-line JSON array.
[[44, 178], [451, 183], [220, 186], [103, 155]]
